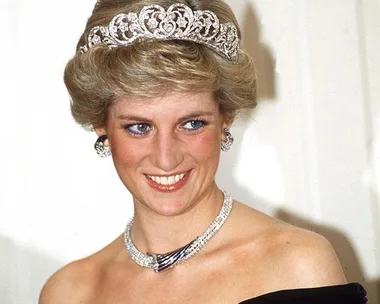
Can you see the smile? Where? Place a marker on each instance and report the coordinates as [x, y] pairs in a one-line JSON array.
[[167, 180]]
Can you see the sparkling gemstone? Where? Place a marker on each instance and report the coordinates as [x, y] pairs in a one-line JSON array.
[[152, 23], [168, 27], [182, 22], [96, 39], [123, 27]]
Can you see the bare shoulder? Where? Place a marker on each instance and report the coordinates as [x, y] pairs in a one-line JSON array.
[[72, 284], [304, 258], [291, 257]]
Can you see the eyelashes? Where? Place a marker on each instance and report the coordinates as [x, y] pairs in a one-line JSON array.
[[194, 125], [141, 129]]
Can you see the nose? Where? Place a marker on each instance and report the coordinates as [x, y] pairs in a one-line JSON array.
[[167, 154]]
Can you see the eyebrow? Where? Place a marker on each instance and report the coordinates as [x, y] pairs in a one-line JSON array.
[[148, 120], [133, 118]]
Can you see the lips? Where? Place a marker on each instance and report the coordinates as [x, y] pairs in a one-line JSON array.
[[168, 183]]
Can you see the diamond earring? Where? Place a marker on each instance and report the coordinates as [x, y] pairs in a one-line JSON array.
[[102, 150], [227, 143]]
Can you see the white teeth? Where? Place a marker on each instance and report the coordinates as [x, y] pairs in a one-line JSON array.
[[164, 180], [170, 180]]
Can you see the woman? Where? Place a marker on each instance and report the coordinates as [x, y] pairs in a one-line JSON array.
[[161, 82]]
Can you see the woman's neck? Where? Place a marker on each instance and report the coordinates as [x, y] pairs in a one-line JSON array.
[[156, 233]]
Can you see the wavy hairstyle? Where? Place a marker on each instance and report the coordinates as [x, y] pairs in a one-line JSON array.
[[150, 67]]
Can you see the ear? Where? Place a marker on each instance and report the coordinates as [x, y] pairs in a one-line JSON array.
[[100, 131], [226, 125], [228, 119]]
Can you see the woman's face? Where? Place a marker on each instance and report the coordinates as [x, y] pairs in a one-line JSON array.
[[166, 149]]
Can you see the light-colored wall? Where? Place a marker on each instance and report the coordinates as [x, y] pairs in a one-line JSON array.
[[310, 156]]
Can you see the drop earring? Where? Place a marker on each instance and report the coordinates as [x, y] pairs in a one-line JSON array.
[[229, 140]]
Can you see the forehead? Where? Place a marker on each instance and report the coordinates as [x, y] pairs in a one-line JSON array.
[[177, 103]]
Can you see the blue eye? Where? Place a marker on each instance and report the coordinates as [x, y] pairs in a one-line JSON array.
[[138, 129], [194, 125]]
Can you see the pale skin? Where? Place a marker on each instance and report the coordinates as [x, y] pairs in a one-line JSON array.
[[251, 255]]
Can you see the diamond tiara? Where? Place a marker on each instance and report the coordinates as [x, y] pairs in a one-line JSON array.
[[178, 22]]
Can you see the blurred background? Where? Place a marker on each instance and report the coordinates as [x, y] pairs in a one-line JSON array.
[[309, 154]]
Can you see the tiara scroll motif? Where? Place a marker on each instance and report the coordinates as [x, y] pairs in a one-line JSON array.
[[178, 22]]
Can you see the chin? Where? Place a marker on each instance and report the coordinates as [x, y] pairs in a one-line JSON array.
[[168, 207]]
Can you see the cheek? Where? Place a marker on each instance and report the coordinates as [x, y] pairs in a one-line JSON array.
[[125, 152], [206, 146]]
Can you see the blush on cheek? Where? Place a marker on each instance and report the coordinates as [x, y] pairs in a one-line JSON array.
[[126, 152], [206, 145], [127, 155]]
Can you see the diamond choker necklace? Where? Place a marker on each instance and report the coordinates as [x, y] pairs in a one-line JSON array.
[[160, 262]]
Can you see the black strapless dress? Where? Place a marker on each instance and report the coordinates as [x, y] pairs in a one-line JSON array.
[[353, 293]]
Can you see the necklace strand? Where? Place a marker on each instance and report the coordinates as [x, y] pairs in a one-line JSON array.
[[160, 262]]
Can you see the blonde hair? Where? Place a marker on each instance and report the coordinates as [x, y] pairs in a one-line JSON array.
[[152, 67]]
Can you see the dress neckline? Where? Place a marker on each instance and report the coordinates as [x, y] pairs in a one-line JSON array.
[[354, 291]]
